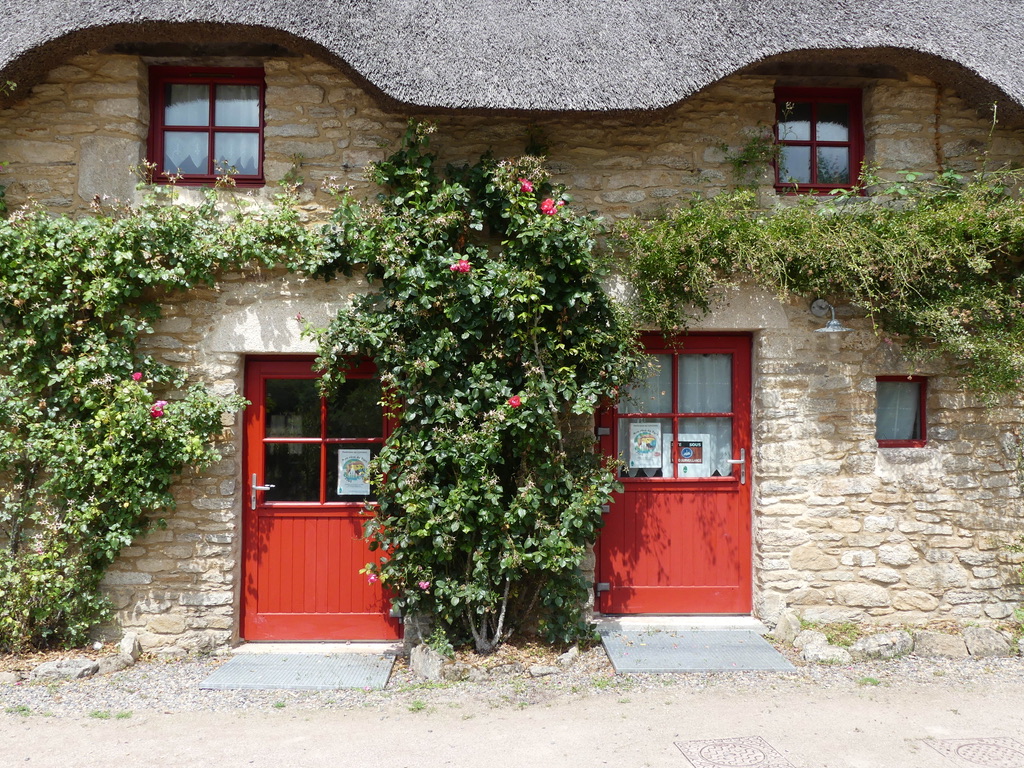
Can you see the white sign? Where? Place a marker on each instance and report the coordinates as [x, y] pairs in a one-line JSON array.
[[353, 469], [645, 445]]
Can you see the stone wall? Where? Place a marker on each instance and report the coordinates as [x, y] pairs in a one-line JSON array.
[[843, 529]]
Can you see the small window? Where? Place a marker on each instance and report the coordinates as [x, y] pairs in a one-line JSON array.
[[820, 136], [205, 123], [900, 411]]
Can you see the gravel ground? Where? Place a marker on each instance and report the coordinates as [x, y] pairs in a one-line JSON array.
[[155, 686]]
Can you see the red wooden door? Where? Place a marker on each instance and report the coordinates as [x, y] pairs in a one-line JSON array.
[[305, 505], [677, 538]]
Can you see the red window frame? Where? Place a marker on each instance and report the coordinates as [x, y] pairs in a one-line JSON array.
[[159, 77], [921, 416], [852, 97]]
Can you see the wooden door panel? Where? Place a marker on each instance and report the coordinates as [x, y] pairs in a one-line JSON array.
[[682, 544], [302, 560]]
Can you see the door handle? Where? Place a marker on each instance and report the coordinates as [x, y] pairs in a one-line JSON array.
[[742, 461], [256, 487]]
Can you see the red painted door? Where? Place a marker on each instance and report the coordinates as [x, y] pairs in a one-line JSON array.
[[305, 505], [677, 538]]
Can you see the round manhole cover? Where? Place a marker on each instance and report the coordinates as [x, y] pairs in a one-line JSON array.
[[732, 754], [990, 755]]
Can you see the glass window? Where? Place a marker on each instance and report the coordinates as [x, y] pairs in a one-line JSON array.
[[678, 421], [821, 139], [900, 411], [207, 122]]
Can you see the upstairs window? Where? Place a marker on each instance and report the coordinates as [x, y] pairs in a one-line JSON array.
[[206, 123], [900, 411], [820, 136]]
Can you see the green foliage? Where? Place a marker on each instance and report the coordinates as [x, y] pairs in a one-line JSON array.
[[87, 453], [936, 263], [492, 332]]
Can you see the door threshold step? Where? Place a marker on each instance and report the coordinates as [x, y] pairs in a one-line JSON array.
[[668, 623], [324, 649]]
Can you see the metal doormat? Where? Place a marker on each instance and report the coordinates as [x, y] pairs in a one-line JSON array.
[[986, 753], [301, 672], [752, 751], [696, 651]]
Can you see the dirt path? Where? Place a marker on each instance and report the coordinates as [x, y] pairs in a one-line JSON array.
[[811, 726]]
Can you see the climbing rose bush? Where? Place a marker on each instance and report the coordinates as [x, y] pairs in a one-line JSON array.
[[490, 490]]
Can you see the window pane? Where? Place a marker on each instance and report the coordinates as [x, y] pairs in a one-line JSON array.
[[654, 394], [833, 165], [705, 383], [354, 410], [186, 104], [898, 414], [833, 122], [294, 471], [645, 447], [292, 408], [794, 120], [186, 152], [347, 471], [795, 165], [237, 151], [704, 447], [238, 106]]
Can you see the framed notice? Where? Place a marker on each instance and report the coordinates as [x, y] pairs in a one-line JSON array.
[[645, 445], [693, 455], [353, 468]]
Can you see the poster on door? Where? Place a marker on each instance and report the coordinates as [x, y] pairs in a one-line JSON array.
[[645, 445], [353, 469], [693, 455]]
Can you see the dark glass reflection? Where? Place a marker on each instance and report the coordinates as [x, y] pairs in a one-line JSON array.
[[833, 122], [794, 120], [294, 471], [833, 165], [354, 410], [795, 165], [350, 462], [293, 408]]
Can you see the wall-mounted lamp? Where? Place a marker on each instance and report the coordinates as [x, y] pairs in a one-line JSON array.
[[820, 308]]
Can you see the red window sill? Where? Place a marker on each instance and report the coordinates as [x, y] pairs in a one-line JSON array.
[[902, 443]]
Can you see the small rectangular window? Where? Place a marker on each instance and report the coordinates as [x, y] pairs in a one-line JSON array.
[[900, 411], [206, 123], [820, 137]]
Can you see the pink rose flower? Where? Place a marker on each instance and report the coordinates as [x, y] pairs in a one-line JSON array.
[[424, 585], [373, 578], [136, 376], [157, 409], [525, 185], [515, 401], [548, 207], [460, 266]]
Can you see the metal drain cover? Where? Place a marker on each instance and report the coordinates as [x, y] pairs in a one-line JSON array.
[[301, 672], [981, 753], [751, 752]]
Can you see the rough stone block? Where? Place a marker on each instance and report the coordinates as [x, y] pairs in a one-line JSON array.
[[109, 664], [863, 595], [130, 646], [936, 645], [65, 669], [899, 554], [985, 641], [811, 558], [886, 645], [914, 600]]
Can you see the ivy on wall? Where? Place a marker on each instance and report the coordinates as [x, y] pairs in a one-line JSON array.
[[935, 262], [93, 432]]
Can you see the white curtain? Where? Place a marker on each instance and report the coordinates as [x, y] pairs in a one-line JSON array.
[[898, 410]]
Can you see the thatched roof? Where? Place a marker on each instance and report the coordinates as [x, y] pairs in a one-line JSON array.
[[586, 55]]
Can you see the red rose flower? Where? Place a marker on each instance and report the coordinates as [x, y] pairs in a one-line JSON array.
[[515, 401], [460, 266], [548, 207], [525, 185]]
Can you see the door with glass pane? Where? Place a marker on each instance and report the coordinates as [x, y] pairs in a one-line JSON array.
[[305, 500], [677, 538]]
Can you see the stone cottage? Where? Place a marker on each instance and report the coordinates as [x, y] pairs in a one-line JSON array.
[[820, 473]]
